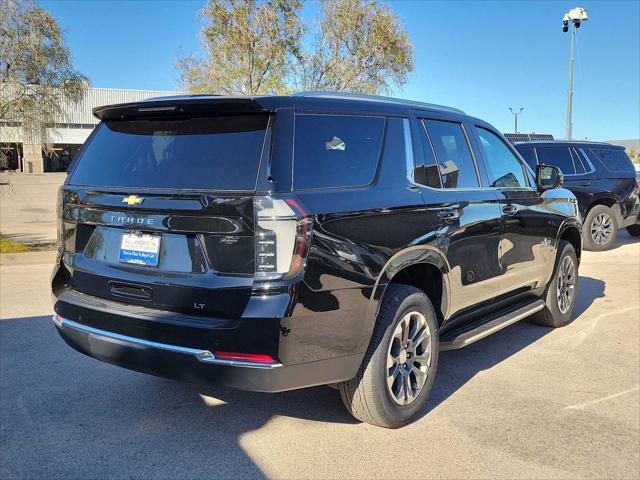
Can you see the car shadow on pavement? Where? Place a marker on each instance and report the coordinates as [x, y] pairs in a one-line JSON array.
[[63, 414], [623, 238], [454, 370], [457, 367], [66, 415]]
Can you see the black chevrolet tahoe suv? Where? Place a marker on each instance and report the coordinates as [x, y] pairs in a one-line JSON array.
[[273, 243], [602, 178]]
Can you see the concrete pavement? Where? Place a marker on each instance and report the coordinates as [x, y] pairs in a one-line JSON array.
[[43, 257], [526, 402], [28, 206]]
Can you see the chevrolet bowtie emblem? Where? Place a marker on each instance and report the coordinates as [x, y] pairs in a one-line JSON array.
[[133, 200]]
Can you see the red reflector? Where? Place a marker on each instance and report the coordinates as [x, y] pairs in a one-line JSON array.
[[245, 357]]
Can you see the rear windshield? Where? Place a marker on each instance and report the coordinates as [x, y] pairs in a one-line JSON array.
[[615, 159], [191, 153]]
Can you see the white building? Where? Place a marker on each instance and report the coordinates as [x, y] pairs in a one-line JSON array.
[[67, 134]]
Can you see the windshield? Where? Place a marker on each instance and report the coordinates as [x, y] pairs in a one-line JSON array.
[[190, 153]]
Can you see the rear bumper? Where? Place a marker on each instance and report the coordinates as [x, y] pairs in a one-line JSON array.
[[199, 365], [633, 219]]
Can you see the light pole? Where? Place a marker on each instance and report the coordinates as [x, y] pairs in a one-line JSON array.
[[516, 115], [576, 16]]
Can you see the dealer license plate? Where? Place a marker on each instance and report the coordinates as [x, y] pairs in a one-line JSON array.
[[141, 249]]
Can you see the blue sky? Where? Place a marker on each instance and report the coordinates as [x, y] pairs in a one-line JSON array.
[[478, 56]]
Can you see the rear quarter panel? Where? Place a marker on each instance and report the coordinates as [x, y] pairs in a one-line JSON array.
[[562, 206], [356, 232]]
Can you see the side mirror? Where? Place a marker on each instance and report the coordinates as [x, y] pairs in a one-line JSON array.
[[548, 177]]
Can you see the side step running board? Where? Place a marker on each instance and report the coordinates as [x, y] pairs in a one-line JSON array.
[[487, 328]]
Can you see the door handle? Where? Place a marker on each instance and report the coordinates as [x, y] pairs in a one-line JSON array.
[[585, 184], [509, 209], [449, 215]]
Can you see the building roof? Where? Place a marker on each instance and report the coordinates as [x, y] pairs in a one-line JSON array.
[[81, 113]]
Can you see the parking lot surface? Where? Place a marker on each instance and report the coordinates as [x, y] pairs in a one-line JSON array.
[[28, 206], [528, 401]]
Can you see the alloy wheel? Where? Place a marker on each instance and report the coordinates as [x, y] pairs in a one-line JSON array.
[[566, 284], [409, 358], [602, 228]]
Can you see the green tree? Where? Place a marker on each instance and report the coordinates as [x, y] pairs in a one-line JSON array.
[[37, 78], [248, 46], [360, 46], [259, 47]]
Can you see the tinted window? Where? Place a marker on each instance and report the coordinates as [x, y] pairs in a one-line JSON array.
[[193, 153], [577, 162], [504, 169], [336, 151], [614, 159], [457, 169], [586, 163], [559, 157], [529, 156], [427, 173]]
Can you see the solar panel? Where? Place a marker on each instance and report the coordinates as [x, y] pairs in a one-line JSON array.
[[541, 136], [527, 137], [517, 137]]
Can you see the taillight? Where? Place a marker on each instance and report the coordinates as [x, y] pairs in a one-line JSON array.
[[59, 211], [281, 240]]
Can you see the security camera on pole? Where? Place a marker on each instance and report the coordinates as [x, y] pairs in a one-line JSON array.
[[576, 16]]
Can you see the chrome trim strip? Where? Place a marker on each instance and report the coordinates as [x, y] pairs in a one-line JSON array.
[[473, 156], [203, 356], [493, 326], [583, 156], [408, 150]]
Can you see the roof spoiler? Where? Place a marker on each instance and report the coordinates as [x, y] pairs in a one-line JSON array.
[[182, 105]]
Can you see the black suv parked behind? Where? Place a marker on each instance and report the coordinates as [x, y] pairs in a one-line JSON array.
[[602, 178], [274, 243]]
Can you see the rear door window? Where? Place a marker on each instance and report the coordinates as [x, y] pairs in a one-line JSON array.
[[503, 167], [579, 154], [529, 156], [580, 167], [428, 172], [557, 156], [336, 151], [219, 153], [614, 159], [456, 164]]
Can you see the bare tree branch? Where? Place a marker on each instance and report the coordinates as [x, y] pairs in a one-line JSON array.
[[256, 47], [37, 75]]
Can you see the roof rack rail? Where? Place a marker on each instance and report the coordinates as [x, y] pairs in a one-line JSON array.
[[376, 98]]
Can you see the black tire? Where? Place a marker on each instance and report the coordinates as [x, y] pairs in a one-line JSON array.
[[591, 237], [553, 315], [634, 230], [368, 396]]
